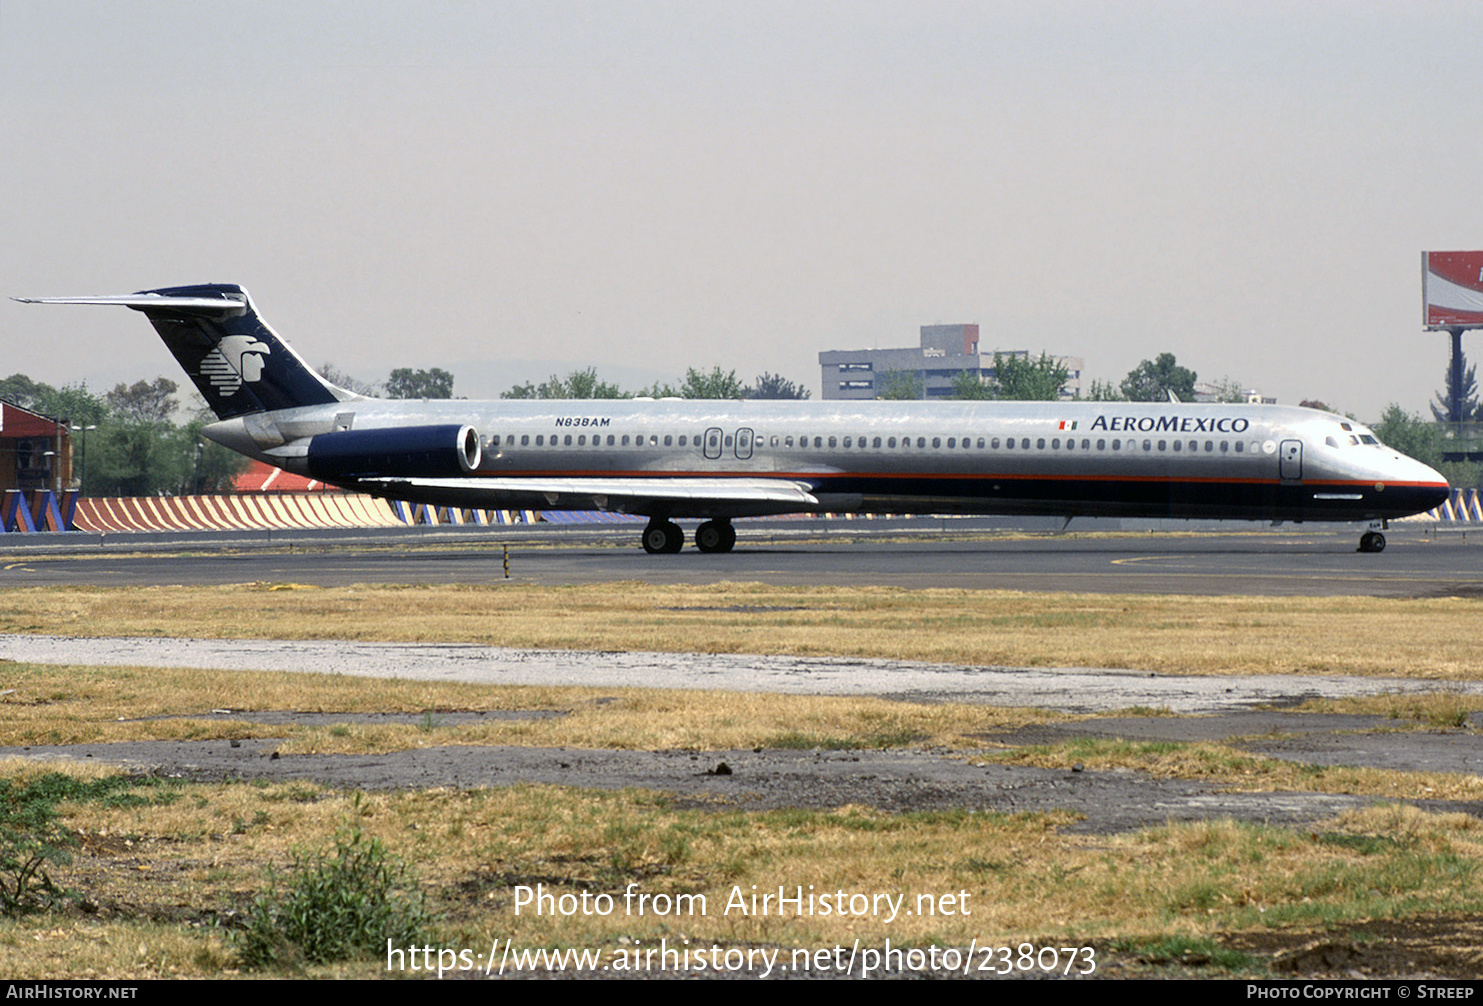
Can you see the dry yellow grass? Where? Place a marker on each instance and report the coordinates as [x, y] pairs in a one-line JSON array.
[[1419, 638], [47, 704], [1237, 771], [1441, 708], [203, 851]]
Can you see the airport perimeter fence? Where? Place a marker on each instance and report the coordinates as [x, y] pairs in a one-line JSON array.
[[44, 511]]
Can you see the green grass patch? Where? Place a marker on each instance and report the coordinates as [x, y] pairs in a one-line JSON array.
[[1186, 950]]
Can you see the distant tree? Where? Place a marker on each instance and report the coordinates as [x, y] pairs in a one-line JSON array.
[[405, 382], [143, 402], [586, 384], [577, 384], [136, 450], [1105, 391], [18, 389], [136, 458], [657, 390], [1152, 381], [74, 403], [774, 386], [1471, 409], [1021, 379], [899, 386], [343, 380], [214, 468], [717, 384], [1016, 378], [1314, 403], [1227, 390], [968, 386]]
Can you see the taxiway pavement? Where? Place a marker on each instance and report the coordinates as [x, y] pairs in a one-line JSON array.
[[1418, 563]]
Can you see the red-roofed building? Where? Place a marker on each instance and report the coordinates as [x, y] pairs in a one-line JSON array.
[[263, 477], [35, 452]]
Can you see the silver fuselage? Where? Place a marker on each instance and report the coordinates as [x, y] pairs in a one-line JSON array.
[[1065, 458]]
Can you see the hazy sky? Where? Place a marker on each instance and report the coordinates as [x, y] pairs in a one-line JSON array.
[[508, 190]]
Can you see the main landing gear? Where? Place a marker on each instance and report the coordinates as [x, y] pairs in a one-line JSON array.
[[715, 536], [666, 537], [1372, 540], [663, 536]]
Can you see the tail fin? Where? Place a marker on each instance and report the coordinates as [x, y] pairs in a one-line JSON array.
[[237, 362]]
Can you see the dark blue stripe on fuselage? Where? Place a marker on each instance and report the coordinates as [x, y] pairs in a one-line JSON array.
[[1144, 497], [1065, 497]]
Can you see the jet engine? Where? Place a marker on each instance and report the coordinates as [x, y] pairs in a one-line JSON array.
[[426, 451]]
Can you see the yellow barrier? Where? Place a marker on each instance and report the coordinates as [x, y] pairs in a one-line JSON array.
[[246, 511]]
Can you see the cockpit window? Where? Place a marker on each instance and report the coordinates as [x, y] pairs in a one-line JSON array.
[[1331, 441], [1366, 438]]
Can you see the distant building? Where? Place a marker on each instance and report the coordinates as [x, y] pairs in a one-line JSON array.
[[944, 353], [35, 451], [1207, 392]]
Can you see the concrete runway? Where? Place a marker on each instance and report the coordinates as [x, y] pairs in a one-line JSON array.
[[1076, 690], [1298, 562]]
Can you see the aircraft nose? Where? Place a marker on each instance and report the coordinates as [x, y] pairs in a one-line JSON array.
[[1431, 486], [1442, 487]]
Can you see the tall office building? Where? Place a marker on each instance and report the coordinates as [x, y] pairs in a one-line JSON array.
[[944, 353]]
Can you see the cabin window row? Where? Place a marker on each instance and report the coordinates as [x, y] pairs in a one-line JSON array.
[[888, 443], [613, 440]]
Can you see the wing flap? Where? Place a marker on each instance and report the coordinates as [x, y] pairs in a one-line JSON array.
[[677, 496]]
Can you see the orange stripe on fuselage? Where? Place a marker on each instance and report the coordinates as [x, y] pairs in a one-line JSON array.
[[931, 476]]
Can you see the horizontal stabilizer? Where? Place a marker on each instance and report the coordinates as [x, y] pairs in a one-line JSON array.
[[145, 302]]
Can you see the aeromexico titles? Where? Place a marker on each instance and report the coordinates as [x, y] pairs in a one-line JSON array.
[[717, 460]]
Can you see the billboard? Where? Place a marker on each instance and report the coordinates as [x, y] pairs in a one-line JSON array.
[[1452, 289]]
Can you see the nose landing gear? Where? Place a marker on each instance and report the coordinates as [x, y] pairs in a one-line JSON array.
[[1372, 540]]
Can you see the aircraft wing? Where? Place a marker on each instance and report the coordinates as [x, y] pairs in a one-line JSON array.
[[680, 497]]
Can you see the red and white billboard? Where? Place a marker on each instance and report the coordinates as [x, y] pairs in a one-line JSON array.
[[1452, 289]]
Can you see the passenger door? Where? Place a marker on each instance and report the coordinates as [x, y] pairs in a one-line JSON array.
[[1290, 460]]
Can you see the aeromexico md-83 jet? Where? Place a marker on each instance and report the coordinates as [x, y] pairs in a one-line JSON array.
[[718, 460]]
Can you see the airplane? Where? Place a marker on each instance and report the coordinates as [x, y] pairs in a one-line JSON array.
[[719, 460]]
